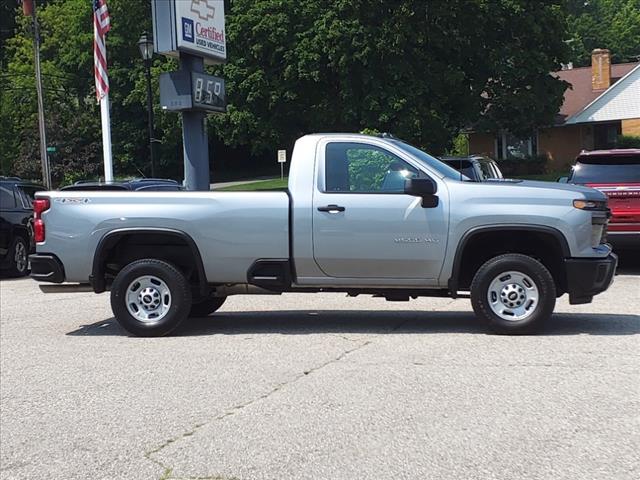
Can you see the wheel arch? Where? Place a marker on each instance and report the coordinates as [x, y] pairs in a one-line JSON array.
[[552, 236], [20, 230], [112, 239]]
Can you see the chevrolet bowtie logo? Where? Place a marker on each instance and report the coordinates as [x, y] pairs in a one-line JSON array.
[[203, 9]]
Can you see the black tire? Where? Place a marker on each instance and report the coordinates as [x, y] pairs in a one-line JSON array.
[[177, 288], [532, 270], [18, 267], [206, 306]]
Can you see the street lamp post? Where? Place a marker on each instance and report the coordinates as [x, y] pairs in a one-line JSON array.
[[146, 50]]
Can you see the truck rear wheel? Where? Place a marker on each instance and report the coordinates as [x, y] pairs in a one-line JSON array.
[[150, 298], [206, 307], [515, 294]]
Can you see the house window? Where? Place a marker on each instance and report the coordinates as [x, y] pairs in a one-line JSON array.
[[605, 135], [510, 146]]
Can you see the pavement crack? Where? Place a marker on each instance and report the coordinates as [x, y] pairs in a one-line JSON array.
[[345, 337], [166, 475]]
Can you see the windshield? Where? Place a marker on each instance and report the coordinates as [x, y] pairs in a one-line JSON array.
[[432, 162], [612, 170]]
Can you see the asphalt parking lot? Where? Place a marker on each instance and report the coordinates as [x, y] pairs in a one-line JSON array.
[[319, 387]]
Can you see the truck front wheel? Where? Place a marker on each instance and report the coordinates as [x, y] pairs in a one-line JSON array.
[[515, 294], [150, 298]]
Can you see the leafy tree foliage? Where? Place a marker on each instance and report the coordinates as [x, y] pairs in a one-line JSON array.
[[72, 114], [421, 70], [612, 24]]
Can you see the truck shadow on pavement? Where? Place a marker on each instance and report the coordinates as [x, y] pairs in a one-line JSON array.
[[303, 322], [628, 262]]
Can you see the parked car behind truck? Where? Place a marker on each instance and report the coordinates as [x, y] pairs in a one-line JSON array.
[[475, 167], [136, 185], [16, 229], [362, 215], [616, 173]]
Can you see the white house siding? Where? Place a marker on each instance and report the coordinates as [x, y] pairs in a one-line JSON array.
[[621, 101]]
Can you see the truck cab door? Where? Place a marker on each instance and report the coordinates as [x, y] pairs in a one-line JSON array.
[[365, 226]]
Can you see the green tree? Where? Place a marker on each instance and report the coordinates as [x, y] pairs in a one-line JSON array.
[[72, 113], [421, 70], [612, 24]]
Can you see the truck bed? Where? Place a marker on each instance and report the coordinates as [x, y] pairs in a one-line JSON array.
[[230, 229]]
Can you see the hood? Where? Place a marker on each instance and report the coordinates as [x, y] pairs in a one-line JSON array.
[[588, 192]]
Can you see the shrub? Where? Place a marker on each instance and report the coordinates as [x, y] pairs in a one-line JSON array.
[[531, 165], [628, 141]]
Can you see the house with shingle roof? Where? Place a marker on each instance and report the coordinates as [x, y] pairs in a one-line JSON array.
[[602, 102]]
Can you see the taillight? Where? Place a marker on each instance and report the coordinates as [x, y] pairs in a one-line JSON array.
[[39, 205]]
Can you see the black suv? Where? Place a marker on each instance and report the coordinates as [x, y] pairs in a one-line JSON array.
[[136, 184], [476, 167], [16, 224]]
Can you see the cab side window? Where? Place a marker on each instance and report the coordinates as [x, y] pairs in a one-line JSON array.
[[361, 168]]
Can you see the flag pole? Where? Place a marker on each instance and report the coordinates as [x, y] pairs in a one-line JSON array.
[[101, 25], [106, 138]]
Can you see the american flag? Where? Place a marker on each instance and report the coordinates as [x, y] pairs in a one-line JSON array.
[[101, 25]]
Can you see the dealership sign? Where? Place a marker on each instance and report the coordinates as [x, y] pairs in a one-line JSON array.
[[190, 26]]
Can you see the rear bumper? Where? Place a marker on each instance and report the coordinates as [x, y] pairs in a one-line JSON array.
[[587, 277], [624, 240], [46, 267]]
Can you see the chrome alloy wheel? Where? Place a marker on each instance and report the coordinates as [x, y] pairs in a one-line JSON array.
[[513, 296], [148, 299], [20, 257]]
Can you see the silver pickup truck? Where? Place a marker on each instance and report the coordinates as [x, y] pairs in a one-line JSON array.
[[362, 215]]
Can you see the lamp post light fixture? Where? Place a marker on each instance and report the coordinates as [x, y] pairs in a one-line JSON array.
[[145, 44]]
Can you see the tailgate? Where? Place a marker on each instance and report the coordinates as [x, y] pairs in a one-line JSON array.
[[624, 202]]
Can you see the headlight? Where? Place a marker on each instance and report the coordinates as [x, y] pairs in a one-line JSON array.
[[590, 205]]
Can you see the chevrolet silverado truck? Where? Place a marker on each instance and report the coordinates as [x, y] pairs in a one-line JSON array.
[[361, 215]]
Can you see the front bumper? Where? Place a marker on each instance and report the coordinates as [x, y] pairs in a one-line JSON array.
[[46, 267], [587, 277]]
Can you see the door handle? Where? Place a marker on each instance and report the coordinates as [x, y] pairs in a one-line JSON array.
[[331, 209]]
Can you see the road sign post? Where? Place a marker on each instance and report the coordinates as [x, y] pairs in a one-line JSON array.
[[282, 159]]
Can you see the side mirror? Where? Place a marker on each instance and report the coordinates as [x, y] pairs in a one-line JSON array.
[[563, 180], [422, 187]]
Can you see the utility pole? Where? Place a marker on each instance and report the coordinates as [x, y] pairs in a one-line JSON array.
[[29, 8]]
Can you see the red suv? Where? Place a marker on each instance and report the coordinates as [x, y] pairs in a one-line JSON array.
[[617, 174]]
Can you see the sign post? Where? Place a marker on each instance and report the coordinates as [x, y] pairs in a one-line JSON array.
[[194, 32], [282, 159], [194, 136]]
